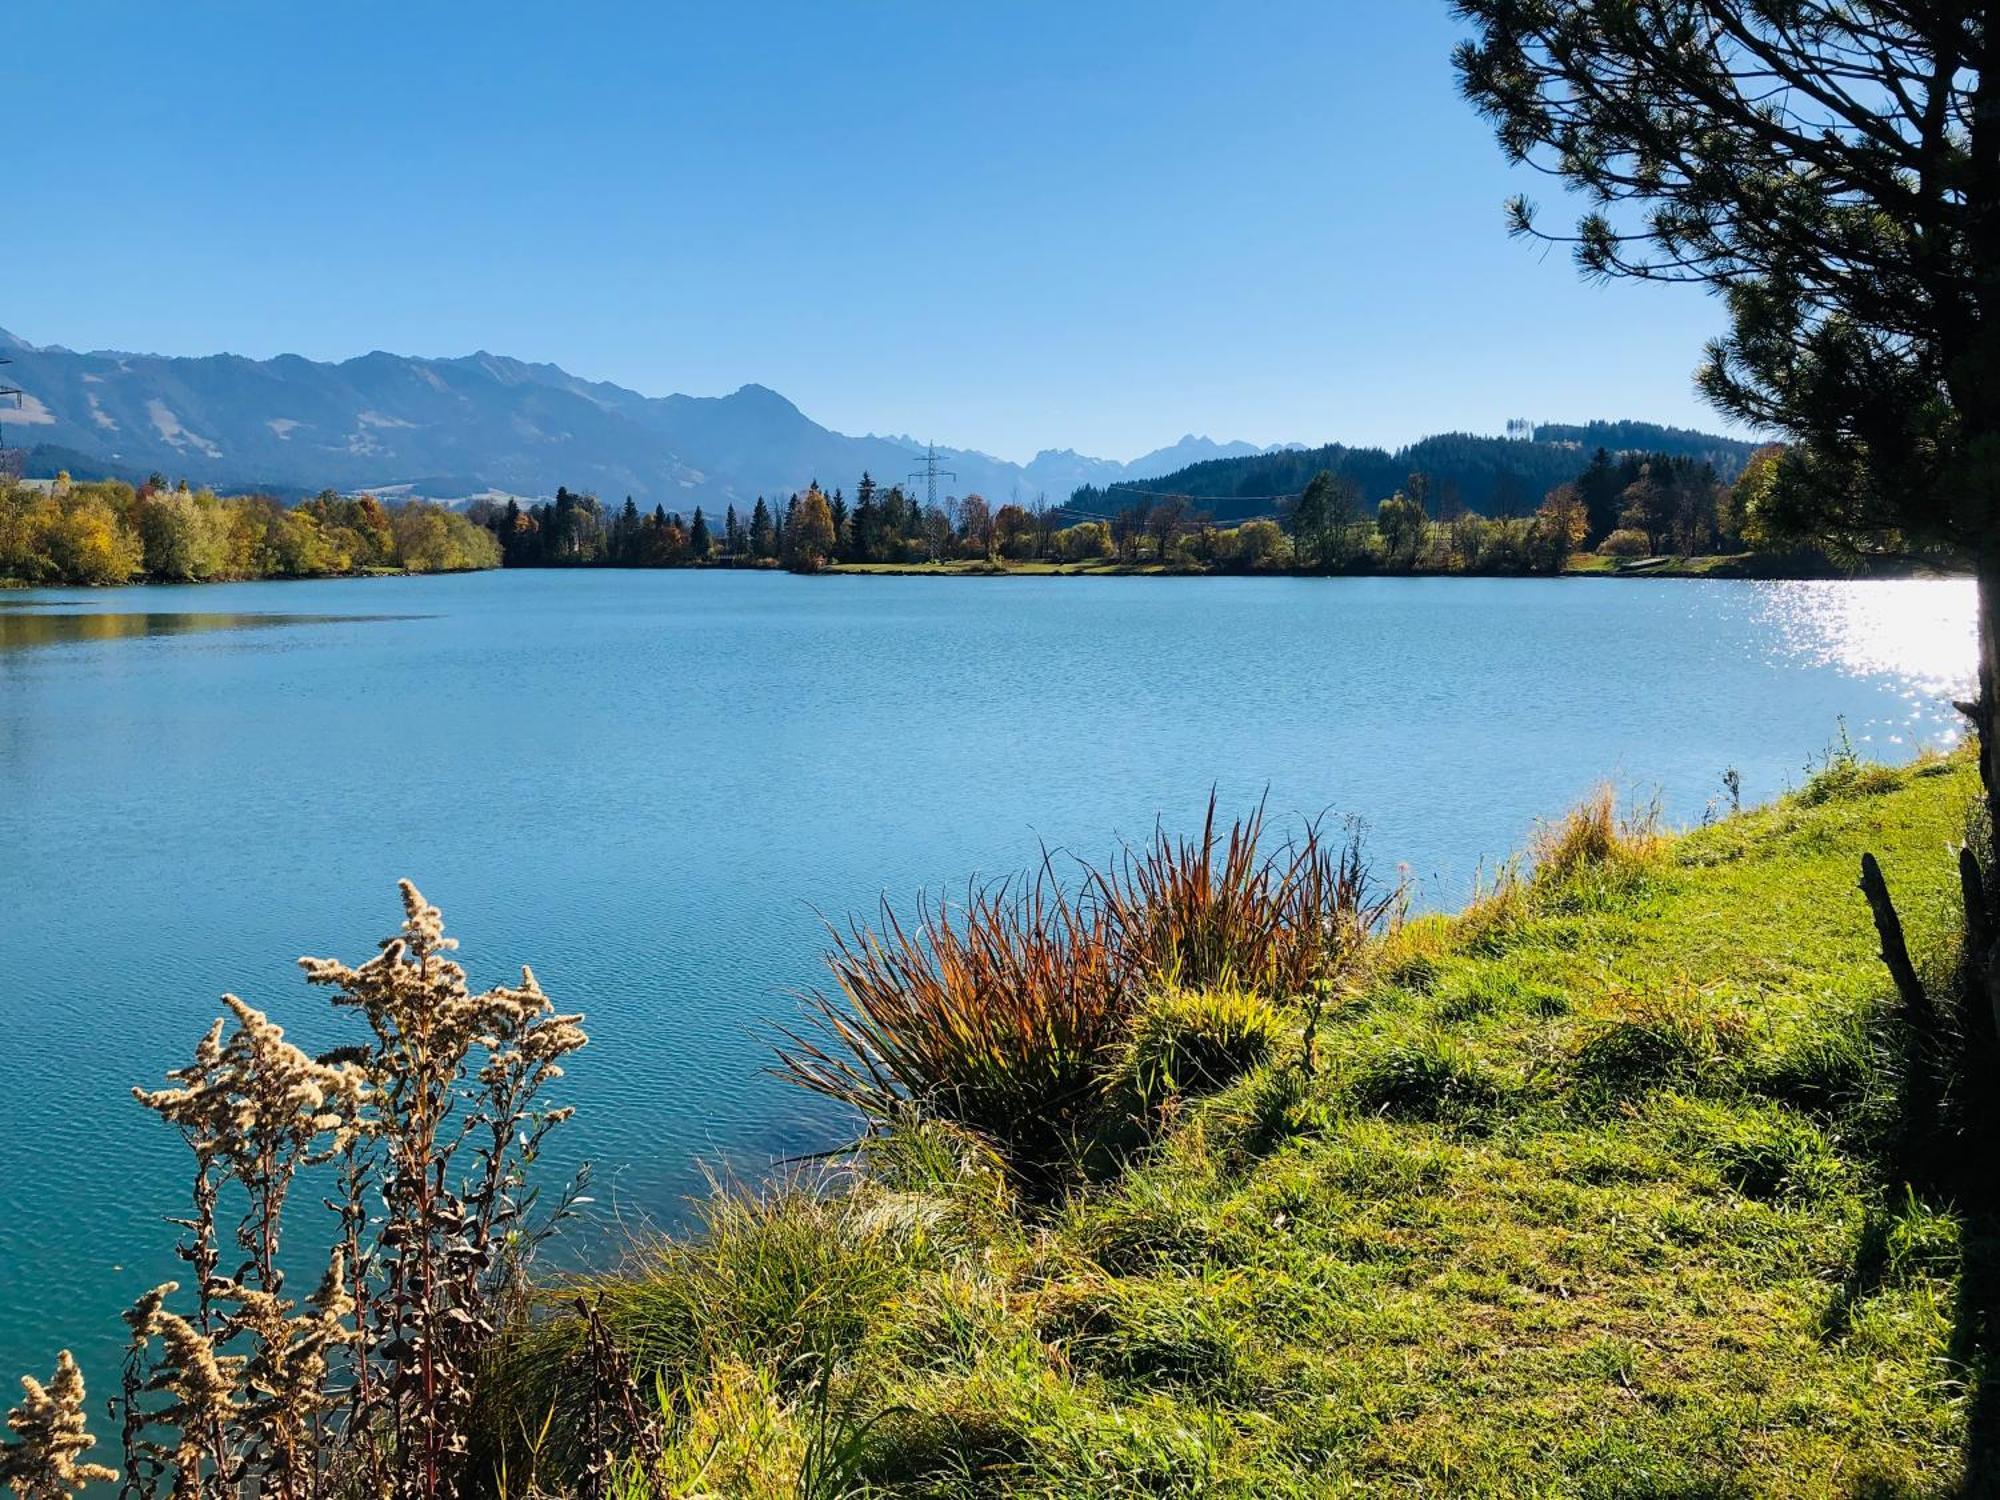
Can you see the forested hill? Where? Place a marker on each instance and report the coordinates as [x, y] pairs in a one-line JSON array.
[[1494, 476]]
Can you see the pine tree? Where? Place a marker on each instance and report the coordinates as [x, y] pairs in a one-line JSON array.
[[763, 534], [700, 544], [1833, 170], [625, 539]]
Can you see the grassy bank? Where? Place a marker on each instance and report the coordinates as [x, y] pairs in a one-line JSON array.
[[1584, 1192]]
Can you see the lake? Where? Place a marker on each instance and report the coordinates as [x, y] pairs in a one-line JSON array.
[[648, 785]]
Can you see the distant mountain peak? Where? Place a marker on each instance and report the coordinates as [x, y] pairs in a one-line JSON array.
[[753, 394]]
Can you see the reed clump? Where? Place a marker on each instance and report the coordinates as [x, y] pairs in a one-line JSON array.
[[996, 1016], [1228, 908], [1010, 1015]]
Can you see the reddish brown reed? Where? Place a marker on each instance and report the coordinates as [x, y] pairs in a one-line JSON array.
[[997, 1015], [1219, 910], [1002, 1014]]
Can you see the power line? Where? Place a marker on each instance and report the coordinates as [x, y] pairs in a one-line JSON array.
[[12, 460], [929, 474]]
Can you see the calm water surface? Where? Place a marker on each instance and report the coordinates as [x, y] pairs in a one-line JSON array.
[[646, 784]]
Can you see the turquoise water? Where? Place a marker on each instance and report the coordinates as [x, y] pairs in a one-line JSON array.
[[646, 784]]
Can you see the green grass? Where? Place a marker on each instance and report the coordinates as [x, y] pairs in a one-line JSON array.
[[1582, 1198]]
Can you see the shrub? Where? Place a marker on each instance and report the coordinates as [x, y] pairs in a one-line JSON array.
[[784, 1281], [1759, 1152], [1653, 1042], [999, 1017], [1191, 1041], [1840, 773], [1211, 911], [1151, 1333], [1153, 1223], [1625, 543], [1284, 1104], [1827, 1070]]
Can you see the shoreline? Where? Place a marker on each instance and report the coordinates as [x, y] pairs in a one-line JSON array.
[[1735, 566], [1739, 567]]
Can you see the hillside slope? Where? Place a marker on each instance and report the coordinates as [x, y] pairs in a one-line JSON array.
[[1493, 476]]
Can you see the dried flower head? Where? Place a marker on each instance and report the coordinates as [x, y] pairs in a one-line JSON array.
[[45, 1460]]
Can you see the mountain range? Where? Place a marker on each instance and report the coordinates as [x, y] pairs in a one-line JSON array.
[[485, 424], [478, 424]]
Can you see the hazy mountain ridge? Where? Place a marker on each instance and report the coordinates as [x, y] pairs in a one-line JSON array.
[[466, 424], [456, 426]]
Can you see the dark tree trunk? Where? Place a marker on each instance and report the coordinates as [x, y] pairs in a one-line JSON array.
[[1982, 921], [1976, 388]]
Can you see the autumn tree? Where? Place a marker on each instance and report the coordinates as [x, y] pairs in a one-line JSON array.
[[1016, 533], [1566, 516], [809, 533], [975, 526], [1404, 528]]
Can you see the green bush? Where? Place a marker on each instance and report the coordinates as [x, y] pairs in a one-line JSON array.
[[1625, 543], [1151, 1333], [1196, 1041], [1653, 1042], [1759, 1151], [1840, 772]]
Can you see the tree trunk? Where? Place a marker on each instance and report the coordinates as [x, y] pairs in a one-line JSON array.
[[1982, 927], [1976, 381]]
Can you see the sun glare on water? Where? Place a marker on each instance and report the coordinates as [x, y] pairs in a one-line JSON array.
[[1918, 632]]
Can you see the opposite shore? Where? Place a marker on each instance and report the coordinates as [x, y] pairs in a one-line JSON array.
[[109, 533]]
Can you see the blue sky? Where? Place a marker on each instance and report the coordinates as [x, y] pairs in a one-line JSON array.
[[1010, 226]]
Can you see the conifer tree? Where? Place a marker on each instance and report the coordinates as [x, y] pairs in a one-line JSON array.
[[1832, 168], [763, 534]]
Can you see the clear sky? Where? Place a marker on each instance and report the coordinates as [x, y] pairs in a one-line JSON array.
[[1006, 225]]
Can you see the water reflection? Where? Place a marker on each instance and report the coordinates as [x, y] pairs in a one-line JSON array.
[[24, 628]]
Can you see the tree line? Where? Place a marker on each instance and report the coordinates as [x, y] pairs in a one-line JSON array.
[[806, 532], [1627, 505], [109, 532]]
